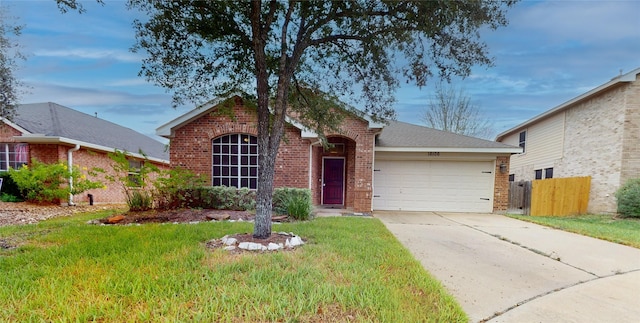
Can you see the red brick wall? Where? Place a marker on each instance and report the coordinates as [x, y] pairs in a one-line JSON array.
[[7, 133], [191, 148], [83, 158], [359, 145], [501, 186]]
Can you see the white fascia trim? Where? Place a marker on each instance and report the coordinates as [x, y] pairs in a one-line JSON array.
[[506, 150], [14, 126], [42, 139], [629, 77], [165, 130]]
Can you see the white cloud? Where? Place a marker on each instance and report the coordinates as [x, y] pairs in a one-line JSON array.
[[585, 21], [89, 53]]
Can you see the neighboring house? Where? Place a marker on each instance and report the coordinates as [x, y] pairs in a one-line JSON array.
[[596, 134], [52, 133], [368, 166]]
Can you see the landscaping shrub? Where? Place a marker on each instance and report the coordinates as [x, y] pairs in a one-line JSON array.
[[227, 198], [48, 183], [10, 191], [139, 200], [134, 176], [629, 198], [295, 202], [299, 207], [178, 188], [4, 197]]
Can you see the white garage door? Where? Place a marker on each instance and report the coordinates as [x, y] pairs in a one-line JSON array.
[[448, 186]]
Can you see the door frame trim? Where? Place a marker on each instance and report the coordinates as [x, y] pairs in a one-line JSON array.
[[344, 172]]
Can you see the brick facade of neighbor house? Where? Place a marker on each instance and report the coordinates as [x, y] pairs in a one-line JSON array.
[[299, 160], [84, 158], [595, 134]]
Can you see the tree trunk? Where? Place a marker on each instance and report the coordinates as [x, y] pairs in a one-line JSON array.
[[264, 197]]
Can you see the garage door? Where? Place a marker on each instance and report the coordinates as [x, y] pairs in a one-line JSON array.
[[448, 186]]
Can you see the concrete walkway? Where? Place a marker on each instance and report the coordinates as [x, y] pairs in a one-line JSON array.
[[505, 270]]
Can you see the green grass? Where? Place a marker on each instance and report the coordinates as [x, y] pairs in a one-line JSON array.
[[351, 269], [607, 227]]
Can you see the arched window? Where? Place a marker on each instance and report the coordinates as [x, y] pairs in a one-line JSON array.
[[235, 161]]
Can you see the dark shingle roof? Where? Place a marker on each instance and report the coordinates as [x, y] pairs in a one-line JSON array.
[[54, 120], [402, 134]]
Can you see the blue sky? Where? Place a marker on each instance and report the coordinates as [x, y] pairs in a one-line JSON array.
[[551, 52]]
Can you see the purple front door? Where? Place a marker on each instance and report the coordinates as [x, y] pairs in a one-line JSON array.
[[333, 181]]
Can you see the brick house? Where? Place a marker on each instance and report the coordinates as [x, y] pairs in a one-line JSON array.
[[369, 166], [595, 134], [52, 133]]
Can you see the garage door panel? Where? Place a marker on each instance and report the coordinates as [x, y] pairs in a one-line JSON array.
[[433, 186]]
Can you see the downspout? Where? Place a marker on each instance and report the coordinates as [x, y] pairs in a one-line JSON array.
[[70, 167]]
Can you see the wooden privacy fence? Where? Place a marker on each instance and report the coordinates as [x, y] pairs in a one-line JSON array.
[[554, 196]]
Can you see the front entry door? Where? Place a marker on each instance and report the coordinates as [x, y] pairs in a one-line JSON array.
[[333, 181]]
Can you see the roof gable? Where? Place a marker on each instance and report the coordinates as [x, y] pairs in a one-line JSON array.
[[46, 121], [168, 128], [625, 78]]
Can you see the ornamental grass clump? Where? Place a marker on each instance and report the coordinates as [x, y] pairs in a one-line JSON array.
[[629, 198]]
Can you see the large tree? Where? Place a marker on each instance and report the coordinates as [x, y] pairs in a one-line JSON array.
[[451, 109], [10, 55], [286, 54]]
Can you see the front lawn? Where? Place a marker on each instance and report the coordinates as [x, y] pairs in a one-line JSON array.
[[351, 269], [607, 227]]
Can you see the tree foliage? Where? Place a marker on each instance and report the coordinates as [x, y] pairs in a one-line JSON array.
[[280, 52], [273, 49], [10, 55], [451, 110]]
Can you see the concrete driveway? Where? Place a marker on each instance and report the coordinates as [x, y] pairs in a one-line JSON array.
[[505, 270]]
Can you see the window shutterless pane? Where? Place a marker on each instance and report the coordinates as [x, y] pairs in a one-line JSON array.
[[253, 183]]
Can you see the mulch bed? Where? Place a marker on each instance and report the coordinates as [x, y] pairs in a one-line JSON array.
[[200, 215]]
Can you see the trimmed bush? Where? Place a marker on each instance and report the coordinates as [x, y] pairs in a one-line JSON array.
[[178, 188], [227, 198], [629, 198]]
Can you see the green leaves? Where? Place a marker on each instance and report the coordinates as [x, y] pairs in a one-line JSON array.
[[49, 183]]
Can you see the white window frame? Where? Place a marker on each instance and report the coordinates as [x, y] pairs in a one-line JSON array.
[[9, 157], [235, 161]]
